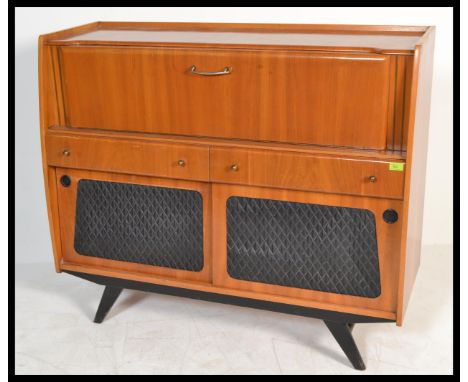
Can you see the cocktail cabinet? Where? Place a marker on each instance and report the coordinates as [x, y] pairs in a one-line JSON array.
[[279, 167]]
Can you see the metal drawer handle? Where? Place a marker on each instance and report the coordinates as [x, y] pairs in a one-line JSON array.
[[372, 179], [234, 167], [226, 70]]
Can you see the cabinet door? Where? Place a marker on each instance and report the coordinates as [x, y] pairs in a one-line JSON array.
[[133, 223], [338, 99], [321, 247]]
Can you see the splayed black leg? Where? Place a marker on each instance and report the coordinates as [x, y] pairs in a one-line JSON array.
[[342, 333], [340, 324], [109, 296]]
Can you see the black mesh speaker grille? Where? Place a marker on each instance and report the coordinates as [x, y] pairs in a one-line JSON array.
[[140, 224], [309, 246]]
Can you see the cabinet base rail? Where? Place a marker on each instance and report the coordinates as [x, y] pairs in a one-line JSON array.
[[339, 324]]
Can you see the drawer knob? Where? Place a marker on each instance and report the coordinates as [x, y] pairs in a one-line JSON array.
[[372, 179], [181, 163], [66, 152], [234, 167]]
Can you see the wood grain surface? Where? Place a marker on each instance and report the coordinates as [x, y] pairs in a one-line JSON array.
[[308, 113], [67, 204], [137, 157], [389, 39], [388, 239], [418, 134], [306, 172], [315, 98]]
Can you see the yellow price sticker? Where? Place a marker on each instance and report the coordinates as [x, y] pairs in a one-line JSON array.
[[395, 166]]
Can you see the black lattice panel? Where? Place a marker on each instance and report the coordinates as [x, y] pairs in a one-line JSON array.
[[140, 224], [309, 246]]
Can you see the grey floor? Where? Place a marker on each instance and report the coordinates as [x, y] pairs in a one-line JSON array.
[[153, 334]]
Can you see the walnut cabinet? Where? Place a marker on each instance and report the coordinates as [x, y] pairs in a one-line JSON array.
[[275, 166]]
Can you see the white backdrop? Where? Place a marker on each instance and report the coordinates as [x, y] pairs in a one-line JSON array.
[[32, 233]]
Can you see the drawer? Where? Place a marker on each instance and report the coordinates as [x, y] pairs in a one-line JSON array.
[[129, 156], [306, 172], [338, 99]]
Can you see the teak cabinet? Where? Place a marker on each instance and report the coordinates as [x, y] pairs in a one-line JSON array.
[[280, 167]]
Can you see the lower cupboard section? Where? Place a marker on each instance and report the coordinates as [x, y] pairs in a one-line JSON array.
[[135, 223], [327, 248], [323, 249]]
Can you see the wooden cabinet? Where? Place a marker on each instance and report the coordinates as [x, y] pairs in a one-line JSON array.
[[264, 165]]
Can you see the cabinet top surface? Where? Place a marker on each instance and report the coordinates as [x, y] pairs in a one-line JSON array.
[[308, 37]]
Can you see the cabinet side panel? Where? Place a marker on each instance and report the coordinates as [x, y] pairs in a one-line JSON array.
[[49, 116], [416, 169]]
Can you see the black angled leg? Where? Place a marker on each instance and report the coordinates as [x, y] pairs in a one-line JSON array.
[[342, 334], [108, 298]]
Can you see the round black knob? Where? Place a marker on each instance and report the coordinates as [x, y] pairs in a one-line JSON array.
[[390, 216], [65, 181]]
